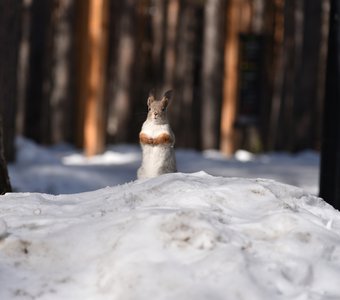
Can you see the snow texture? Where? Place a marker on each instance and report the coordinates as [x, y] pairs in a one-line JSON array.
[[177, 236]]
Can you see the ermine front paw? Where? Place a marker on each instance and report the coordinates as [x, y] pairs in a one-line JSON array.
[[145, 139], [162, 139]]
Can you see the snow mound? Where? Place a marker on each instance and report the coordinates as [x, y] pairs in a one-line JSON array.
[[178, 236]]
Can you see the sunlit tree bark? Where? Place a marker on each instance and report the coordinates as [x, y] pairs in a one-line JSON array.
[[92, 29], [238, 20]]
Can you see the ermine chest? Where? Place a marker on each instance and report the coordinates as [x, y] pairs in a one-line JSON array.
[[155, 135], [162, 139]]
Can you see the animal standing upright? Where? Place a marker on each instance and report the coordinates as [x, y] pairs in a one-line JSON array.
[[157, 140]]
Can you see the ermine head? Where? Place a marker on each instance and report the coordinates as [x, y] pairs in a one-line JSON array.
[[158, 108]]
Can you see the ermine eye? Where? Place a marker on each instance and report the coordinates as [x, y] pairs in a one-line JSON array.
[[149, 109], [163, 109]]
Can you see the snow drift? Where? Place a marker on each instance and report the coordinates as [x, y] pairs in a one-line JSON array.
[[178, 236]]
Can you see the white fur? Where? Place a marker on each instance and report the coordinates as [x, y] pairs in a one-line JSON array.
[[153, 130], [158, 159]]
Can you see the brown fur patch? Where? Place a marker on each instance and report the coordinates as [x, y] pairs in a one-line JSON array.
[[162, 139], [145, 139]]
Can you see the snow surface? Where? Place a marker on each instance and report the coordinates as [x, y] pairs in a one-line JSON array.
[[177, 236], [64, 170]]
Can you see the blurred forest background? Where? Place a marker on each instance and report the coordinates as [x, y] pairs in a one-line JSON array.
[[245, 73]]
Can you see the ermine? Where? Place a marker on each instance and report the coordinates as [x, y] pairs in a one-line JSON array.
[[157, 140]]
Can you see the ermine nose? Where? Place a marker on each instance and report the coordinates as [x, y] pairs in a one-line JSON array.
[[155, 114]]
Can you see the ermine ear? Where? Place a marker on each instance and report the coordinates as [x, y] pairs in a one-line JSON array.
[[164, 103], [151, 97], [166, 98], [168, 95]]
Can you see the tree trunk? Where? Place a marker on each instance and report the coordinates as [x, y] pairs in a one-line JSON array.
[[330, 155], [121, 70], [212, 72], [293, 38], [173, 9], [258, 16], [5, 186], [35, 101], [181, 111], [319, 105], [92, 30], [307, 78], [159, 21], [58, 109], [143, 70], [238, 16], [23, 66], [277, 73], [10, 30]]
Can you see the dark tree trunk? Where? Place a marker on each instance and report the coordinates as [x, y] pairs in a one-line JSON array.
[[259, 10], [143, 76], [5, 185], [58, 86], [296, 102], [307, 78], [330, 156], [172, 28], [181, 111], [158, 20], [318, 108], [276, 72], [121, 68], [10, 29], [40, 16], [293, 37], [23, 66], [212, 72]]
